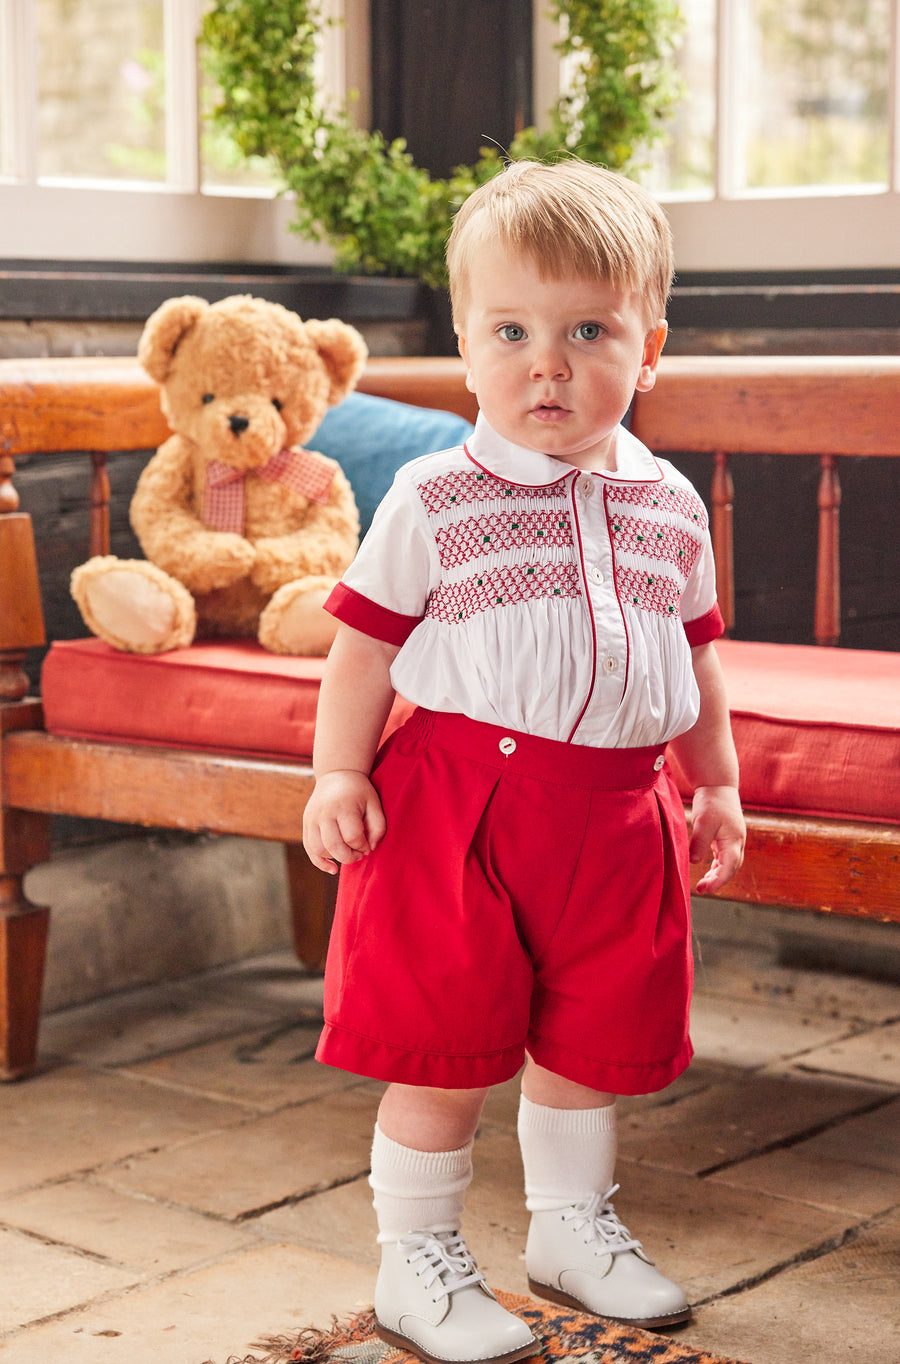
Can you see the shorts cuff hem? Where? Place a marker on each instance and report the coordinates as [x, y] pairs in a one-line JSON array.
[[606, 1076], [437, 1070]]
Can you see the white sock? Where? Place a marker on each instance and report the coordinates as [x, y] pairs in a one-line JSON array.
[[567, 1153], [417, 1190]]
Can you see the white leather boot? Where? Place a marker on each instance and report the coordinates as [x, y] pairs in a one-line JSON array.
[[431, 1299], [583, 1257]]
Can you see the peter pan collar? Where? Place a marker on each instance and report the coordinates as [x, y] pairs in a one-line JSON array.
[[531, 469]]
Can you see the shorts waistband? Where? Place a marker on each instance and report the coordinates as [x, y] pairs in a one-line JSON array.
[[531, 755]]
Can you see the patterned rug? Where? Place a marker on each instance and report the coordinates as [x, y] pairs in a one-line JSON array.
[[566, 1337]]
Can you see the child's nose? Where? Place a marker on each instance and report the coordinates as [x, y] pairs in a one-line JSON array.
[[550, 363]]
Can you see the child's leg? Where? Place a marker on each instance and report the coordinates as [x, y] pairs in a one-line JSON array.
[[430, 1296], [579, 1253]]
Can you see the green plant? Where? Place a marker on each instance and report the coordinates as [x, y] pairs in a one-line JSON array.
[[366, 196]]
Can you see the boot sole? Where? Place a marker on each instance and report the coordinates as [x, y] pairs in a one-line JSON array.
[[404, 1343], [543, 1290]]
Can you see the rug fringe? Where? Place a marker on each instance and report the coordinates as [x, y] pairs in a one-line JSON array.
[[310, 1346]]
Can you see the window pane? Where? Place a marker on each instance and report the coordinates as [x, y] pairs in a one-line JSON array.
[[101, 85], [686, 160], [814, 87], [222, 163]]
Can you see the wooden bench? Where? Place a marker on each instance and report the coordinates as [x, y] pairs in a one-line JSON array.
[[720, 406]]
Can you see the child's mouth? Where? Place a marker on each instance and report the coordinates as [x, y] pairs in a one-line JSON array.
[[549, 412]]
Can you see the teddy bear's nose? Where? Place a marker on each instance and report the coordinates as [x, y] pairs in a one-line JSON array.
[[238, 423]]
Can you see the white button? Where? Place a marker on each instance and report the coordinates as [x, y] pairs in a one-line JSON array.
[[586, 486], [507, 746], [611, 665], [660, 763], [596, 574]]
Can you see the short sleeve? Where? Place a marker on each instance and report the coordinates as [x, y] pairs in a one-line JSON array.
[[385, 590], [700, 612]]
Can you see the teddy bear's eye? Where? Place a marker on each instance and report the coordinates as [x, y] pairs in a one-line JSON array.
[[277, 404], [208, 397]]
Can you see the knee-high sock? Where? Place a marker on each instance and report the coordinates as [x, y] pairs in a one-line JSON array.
[[417, 1190], [567, 1153]]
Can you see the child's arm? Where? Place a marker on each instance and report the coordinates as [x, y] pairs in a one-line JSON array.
[[343, 820], [707, 755]]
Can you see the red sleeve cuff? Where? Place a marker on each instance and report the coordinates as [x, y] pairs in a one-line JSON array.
[[367, 616], [705, 628]]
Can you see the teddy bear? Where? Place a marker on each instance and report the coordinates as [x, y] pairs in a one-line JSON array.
[[245, 532]]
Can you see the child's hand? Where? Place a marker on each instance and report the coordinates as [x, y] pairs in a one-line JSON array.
[[343, 820], [718, 826]]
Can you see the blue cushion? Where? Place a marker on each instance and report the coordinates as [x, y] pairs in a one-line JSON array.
[[371, 437]]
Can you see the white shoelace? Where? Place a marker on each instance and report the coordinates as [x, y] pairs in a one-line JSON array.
[[445, 1260], [595, 1216]]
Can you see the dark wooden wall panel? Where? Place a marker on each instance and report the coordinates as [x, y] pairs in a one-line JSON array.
[[451, 75]]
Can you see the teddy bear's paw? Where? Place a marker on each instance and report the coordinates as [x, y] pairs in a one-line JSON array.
[[133, 605], [294, 622]]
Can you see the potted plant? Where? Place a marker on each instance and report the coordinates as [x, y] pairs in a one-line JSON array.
[[365, 196]]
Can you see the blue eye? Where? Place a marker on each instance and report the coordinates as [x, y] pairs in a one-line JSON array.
[[511, 331], [589, 331]]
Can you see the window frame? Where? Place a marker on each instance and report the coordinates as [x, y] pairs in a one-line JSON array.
[[728, 230], [732, 229]]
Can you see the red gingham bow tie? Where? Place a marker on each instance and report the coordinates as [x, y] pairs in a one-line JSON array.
[[302, 471]]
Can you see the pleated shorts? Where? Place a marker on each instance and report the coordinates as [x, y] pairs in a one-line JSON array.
[[529, 895]]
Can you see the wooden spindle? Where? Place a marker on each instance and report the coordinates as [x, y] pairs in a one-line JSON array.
[[99, 501], [9, 498], [21, 617], [828, 565], [722, 498]]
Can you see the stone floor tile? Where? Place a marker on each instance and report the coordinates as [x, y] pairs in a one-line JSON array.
[[213, 1314], [264, 1162], [338, 1221], [871, 1055], [732, 1121], [712, 1238], [125, 1030], [752, 1033], [40, 1279], [801, 1175], [265, 1070], [742, 970], [277, 981], [131, 1231], [841, 1308], [870, 1140], [76, 1119]]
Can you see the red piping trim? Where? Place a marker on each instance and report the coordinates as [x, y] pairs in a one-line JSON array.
[[501, 478], [587, 597], [380, 622]]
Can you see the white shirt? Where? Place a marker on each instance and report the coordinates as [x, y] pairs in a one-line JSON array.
[[530, 594]]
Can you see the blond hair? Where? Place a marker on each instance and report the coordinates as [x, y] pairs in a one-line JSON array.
[[571, 217]]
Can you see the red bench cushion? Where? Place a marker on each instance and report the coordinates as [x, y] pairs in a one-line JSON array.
[[232, 697], [817, 730]]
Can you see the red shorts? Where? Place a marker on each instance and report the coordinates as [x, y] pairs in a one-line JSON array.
[[528, 894]]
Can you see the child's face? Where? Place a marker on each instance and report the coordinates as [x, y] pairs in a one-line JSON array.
[[554, 363]]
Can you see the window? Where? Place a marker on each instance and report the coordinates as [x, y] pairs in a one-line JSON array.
[[785, 152], [104, 154]]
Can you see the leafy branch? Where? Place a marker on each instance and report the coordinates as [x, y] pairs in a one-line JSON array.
[[365, 195]]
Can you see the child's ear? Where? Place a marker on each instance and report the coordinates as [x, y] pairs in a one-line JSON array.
[[463, 349], [653, 344]]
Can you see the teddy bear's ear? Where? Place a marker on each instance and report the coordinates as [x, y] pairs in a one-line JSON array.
[[164, 329], [343, 353]]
